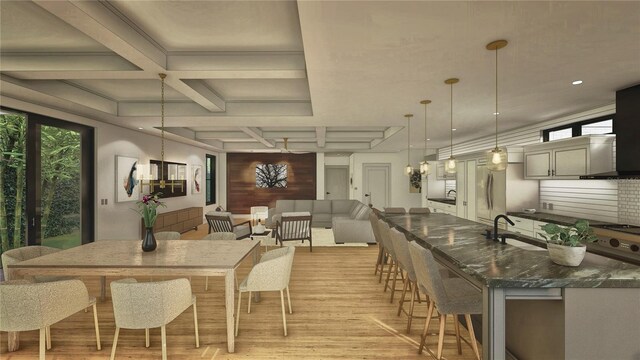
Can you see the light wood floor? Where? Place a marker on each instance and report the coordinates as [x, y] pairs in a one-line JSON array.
[[339, 312]]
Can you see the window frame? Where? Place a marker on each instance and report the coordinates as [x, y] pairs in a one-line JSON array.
[[210, 179], [576, 127]]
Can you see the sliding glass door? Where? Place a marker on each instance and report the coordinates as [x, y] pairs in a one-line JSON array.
[[47, 173]]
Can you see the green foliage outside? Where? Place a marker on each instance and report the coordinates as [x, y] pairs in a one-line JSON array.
[[60, 172]]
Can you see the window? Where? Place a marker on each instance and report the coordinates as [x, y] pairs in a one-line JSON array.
[[211, 179], [602, 125]]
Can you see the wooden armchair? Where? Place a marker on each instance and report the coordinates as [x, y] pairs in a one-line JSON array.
[[294, 226], [221, 222]]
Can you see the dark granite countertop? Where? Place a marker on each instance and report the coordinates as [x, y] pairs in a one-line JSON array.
[[553, 218], [447, 201], [461, 243]]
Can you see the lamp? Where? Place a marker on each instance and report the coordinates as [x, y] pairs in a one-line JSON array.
[[424, 165], [450, 164], [148, 174], [408, 170], [497, 157]]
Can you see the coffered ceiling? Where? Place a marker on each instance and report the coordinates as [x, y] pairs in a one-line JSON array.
[[329, 76]]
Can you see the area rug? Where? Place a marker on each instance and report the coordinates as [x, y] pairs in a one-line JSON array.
[[321, 238]]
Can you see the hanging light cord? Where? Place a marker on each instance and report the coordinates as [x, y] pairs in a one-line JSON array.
[[451, 137], [162, 76], [496, 112], [425, 129], [408, 141]]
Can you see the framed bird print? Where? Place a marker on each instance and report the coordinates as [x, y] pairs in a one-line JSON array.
[[127, 188], [196, 179]]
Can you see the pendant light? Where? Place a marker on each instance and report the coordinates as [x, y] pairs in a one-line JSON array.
[[148, 174], [408, 170], [497, 158], [450, 164], [424, 165]]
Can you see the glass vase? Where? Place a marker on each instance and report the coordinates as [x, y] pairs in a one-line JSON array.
[[149, 242]]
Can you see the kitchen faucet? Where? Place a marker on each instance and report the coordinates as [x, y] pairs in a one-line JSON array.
[[495, 225], [451, 191]]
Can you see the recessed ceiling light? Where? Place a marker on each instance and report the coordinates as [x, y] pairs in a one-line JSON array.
[[140, 128], [496, 113], [454, 129], [428, 139], [577, 82]]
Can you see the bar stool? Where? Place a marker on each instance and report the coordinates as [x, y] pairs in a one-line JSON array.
[[395, 210], [423, 210], [373, 218], [383, 229], [401, 247], [458, 298]]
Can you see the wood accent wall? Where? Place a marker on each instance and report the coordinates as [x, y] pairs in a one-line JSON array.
[[242, 192]]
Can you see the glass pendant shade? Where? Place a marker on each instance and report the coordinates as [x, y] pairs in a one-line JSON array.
[[408, 170], [450, 166], [497, 159], [146, 172], [425, 169]]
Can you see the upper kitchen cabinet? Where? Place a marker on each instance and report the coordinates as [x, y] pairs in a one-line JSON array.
[[569, 158]]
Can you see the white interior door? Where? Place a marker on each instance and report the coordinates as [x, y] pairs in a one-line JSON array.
[[376, 187], [336, 182]]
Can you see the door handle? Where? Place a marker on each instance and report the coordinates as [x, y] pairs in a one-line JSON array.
[[366, 195], [553, 173], [33, 222], [328, 193], [549, 172]]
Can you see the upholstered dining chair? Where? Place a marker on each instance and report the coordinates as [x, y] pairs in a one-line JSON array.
[[451, 296], [395, 210], [26, 306], [383, 228], [272, 273], [217, 236], [420, 210], [167, 235], [150, 305], [17, 255], [221, 222], [294, 226], [401, 247]]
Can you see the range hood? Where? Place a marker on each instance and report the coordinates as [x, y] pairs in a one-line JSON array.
[[626, 126]]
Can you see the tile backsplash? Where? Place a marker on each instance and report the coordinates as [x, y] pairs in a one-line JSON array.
[[629, 202]]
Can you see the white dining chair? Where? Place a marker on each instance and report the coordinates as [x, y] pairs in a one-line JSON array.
[[150, 305], [217, 236]]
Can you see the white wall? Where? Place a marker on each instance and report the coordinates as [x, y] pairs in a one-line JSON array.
[[112, 141], [117, 220], [400, 195]]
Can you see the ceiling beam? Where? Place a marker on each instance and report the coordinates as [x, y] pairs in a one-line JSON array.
[[257, 134], [355, 134], [65, 62], [230, 135], [67, 92], [321, 136], [389, 132], [101, 24], [311, 134], [225, 61], [201, 88]]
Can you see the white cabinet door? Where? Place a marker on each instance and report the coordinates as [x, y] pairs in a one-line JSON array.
[[461, 190], [537, 165], [471, 190], [570, 162]]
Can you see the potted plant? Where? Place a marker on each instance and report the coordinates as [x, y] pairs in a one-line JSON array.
[[566, 244], [147, 207]]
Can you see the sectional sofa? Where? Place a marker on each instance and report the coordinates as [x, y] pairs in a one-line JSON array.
[[349, 219]]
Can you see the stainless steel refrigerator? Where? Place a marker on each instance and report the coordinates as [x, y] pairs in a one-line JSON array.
[[499, 192]]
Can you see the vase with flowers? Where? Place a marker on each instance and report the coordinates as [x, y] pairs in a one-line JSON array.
[[147, 207]]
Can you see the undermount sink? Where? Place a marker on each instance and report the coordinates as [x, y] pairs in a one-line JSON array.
[[524, 246]]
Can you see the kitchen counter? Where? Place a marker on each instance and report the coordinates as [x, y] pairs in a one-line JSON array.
[[462, 243], [546, 301], [553, 218], [448, 201]]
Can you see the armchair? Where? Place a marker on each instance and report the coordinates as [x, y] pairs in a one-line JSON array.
[[294, 226], [221, 222]]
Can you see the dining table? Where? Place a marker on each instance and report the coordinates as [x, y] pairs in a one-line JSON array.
[[119, 258]]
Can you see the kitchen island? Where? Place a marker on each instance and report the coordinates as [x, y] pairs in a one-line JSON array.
[[587, 312]]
